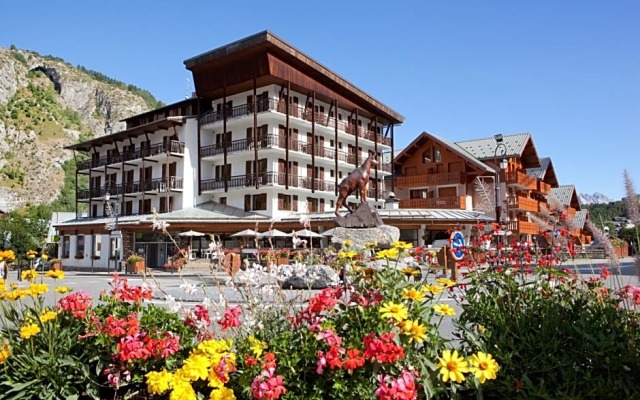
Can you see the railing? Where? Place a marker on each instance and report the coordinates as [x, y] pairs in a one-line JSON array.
[[571, 211], [413, 181], [523, 227], [298, 111], [544, 187], [277, 179], [270, 141], [453, 202], [152, 185], [173, 146], [521, 180], [523, 203]]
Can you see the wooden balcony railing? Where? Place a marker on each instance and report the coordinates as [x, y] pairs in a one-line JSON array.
[[544, 187], [298, 111], [453, 202], [571, 211], [521, 180], [523, 227], [174, 147], [425, 180], [523, 204]]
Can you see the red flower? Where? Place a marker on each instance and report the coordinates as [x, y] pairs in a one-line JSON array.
[[231, 318], [77, 303], [382, 349], [353, 360]]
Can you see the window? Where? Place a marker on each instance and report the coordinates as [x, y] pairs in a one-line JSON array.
[[295, 203], [437, 156], [260, 201], [80, 246], [97, 246], [426, 156], [66, 246], [223, 201], [284, 202]]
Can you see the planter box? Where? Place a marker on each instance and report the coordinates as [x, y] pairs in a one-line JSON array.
[[135, 268], [283, 261], [56, 266]]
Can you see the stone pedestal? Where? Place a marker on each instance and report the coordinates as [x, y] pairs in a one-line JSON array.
[[383, 235], [365, 216]]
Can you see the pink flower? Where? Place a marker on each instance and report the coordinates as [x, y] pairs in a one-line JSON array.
[[402, 388], [330, 337], [231, 318], [267, 386]]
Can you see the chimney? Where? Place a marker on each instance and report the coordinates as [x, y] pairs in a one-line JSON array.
[[391, 203]]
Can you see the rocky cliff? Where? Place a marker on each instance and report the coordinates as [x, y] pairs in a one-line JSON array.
[[46, 104]]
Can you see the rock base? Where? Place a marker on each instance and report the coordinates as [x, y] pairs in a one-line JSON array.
[[365, 216], [383, 235]]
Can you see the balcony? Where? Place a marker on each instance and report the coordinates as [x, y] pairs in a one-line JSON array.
[[521, 180], [296, 111], [454, 202], [275, 141], [523, 227], [522, 203], [543, 188], [276, 179], [416, 181], [173, 147], [158, 185]]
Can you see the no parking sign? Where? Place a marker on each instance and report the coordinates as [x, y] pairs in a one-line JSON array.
[[457, 245]]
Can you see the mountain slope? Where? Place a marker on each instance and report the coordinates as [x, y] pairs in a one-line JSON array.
[[46, 104], [596, 198]]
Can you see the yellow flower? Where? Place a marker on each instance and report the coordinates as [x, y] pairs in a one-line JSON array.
[[412, 294], [388, 253], [54, 274], [5, 352], [371, 245], [196, 367], [63, 289], [15, 294], [446, 282], [29, 275], [257, 346], [31, 254], [483, 366], [399, 311], [433, 289], [444, 309], [481, 329], [48, 316], [415, 329], [347, 254], [44, 257], [222, 393], [28, 331], [452, 366], [400, 245], [159, 382], [37, 289], [409, 271], [182, 390], [347, 243]]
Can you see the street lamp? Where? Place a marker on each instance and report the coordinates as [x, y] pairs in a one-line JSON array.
[[112, 227], [500, 152]]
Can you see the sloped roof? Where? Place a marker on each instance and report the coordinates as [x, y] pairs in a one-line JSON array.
[[545, 172], [435, 215], [581, 218], [518, 145], [566, 195], [419, 141]]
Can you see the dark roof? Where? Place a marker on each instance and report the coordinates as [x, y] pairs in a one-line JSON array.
[[518, 145], [140, 130], [248, 51]]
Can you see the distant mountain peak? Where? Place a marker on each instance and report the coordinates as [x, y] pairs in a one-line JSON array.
[[596, 198]]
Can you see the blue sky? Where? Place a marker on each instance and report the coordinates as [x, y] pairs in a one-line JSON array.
[[568, 72]]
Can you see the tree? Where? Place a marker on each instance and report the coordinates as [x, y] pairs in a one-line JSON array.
[[25, 229]]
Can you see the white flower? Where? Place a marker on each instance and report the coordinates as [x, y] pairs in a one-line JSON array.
[[159, 224], [188, 288], [171, 304], [207, 303]]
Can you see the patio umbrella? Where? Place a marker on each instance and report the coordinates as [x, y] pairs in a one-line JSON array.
[[328, 233], [190, 234], [274, 233], [307, 233], [246, 232]]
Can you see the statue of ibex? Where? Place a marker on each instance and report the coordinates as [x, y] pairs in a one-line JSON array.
[[358, 179]]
